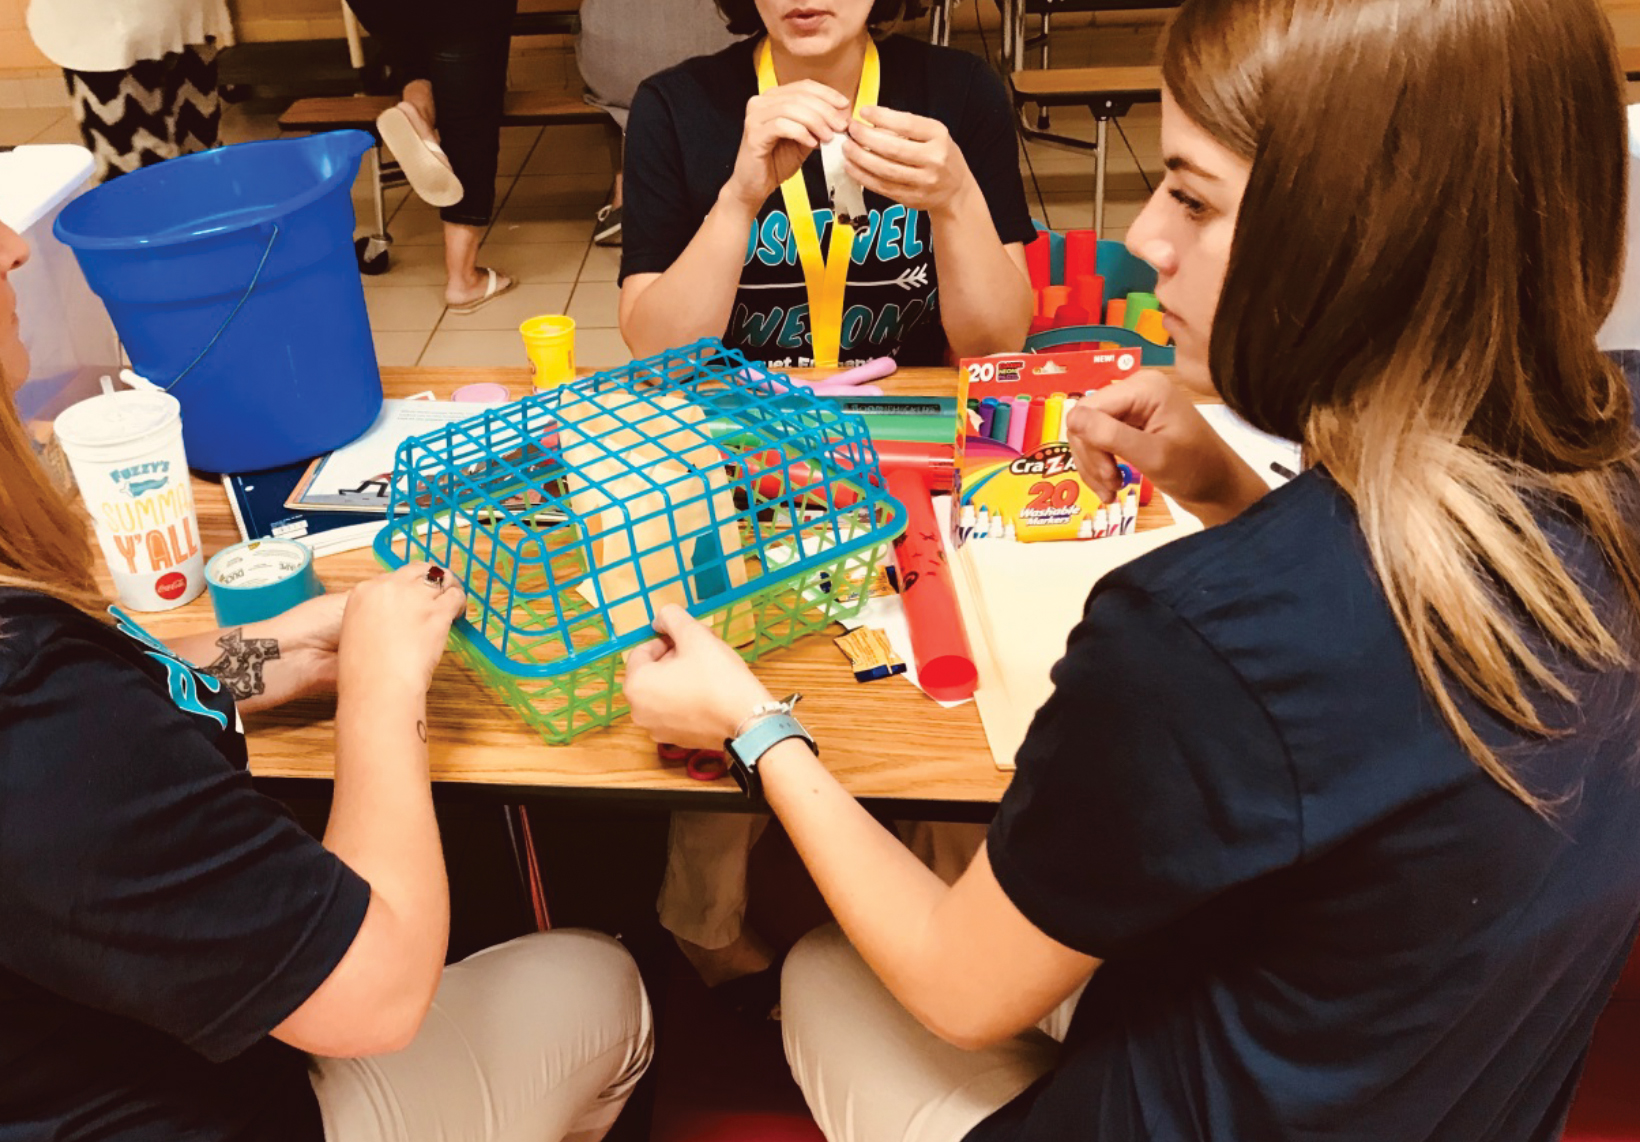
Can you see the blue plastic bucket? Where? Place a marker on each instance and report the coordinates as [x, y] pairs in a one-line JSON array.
[[231, 278]]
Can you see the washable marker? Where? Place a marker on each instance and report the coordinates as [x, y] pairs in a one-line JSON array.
[[965, 527], [1100, 523], [1000, 421], [987, 414], [1016, 423], [1053, 419], [1130, 510], [982, 524], [1065, 417], [1009, 532], [1086, 530], [996, 527], [1033, 425], [1116, 312]]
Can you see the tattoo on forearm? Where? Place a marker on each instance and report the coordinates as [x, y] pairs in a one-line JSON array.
[[241, 663], [421, 731]]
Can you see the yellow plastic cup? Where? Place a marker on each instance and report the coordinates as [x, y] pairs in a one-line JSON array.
[[550, 341]]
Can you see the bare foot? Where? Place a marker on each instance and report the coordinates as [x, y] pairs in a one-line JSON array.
[[468, 289], [419, 94], [746, 956]]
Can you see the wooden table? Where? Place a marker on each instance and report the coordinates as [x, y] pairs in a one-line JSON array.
[[885, 740]]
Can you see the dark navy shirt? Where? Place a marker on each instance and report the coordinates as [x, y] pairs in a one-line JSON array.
[[1319, 918], [158, 916]]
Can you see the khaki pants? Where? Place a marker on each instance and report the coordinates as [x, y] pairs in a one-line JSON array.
[[871, 1073], [539, 1039], [703, 898]]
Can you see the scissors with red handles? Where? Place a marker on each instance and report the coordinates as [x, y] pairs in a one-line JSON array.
[[700, 764]]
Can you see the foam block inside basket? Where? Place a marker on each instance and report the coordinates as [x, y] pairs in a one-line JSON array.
[[651, 485]]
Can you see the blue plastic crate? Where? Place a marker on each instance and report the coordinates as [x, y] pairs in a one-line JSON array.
[[573, 515]]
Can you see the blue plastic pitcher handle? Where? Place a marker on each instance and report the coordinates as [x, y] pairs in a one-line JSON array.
[[223, 328]]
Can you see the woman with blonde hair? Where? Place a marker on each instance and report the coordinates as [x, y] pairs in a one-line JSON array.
[[1328, 830], [178, 958]]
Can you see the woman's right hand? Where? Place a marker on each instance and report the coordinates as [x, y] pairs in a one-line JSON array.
[[1155, 426], [783, 125], [395, 627]]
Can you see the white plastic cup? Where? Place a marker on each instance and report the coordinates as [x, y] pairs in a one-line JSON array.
[[125, 449]]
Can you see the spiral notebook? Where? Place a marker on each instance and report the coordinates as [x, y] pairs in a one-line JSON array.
[[257, 500]]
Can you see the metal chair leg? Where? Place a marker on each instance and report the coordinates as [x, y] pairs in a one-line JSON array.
[[1017, 56], [1099, 160], [371, 250], [939, 23], [1043, 119]]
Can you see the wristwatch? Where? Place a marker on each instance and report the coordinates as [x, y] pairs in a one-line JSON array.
[[762, 729]]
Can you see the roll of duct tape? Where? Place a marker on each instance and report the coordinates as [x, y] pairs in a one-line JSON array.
[[257, 580]]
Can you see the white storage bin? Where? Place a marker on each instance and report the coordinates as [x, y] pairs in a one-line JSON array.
[[70, 340]]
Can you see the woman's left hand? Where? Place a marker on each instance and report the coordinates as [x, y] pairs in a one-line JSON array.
[[907, 158], [688, 687], [308, 635]]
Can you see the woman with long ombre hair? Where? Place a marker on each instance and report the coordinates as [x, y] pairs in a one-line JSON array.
[[1331, 827], [178, 958]]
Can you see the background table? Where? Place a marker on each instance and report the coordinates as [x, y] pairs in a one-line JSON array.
[[885, 741]]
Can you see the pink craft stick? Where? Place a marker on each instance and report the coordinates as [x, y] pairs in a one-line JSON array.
[[873, 370]]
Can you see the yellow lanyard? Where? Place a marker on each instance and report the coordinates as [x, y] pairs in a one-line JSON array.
[[825, 276]]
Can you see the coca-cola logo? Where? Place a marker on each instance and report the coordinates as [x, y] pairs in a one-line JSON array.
[[170, 585]]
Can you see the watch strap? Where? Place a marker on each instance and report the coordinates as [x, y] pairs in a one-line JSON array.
[[756, 740]]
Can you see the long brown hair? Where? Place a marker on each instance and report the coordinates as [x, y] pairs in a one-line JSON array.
[[1431, 237], [44, 545]]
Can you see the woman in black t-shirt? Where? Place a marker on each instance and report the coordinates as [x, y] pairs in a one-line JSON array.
[[716, 174], [737, 163], [178, 958], [1333, 807]]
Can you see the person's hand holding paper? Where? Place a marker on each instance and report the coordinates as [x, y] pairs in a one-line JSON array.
[[1154, 425]]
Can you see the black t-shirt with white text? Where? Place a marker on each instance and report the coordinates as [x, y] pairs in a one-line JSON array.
[[681, 143], [158, 915]]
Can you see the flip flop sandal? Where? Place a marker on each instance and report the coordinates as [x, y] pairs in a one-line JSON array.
[[492, 290], [426, 167]]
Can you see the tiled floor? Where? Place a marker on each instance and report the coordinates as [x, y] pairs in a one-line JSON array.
[[552, 181]]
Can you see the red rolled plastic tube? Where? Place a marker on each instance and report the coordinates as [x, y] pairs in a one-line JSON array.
[[1088, 291], [945, 664], [1081, 254], [1053, 298], [1039, 260]]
